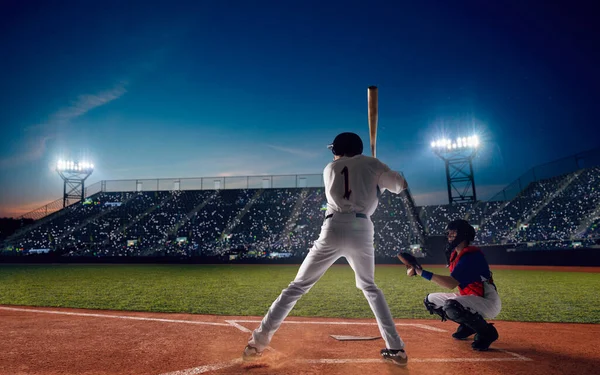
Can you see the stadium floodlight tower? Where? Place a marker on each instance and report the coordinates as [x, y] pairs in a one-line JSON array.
[[74, 175], [458, 156]]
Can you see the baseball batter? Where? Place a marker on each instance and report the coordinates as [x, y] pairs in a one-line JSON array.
[[477, 298], [352, 182]]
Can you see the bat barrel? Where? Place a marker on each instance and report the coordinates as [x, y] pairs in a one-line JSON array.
[[372, 99]]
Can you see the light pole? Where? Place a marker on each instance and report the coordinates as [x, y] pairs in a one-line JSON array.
[[458, 157], [74, 174]]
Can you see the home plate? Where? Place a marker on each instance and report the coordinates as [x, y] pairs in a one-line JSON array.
[[354, 338]]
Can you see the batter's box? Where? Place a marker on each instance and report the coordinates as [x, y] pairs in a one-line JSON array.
[[418, 348], [416, 325], [341, 361], [512, 357]]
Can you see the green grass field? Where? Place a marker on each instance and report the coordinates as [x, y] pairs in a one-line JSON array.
[[541, 296]]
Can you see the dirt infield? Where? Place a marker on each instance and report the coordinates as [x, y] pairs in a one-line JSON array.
[[71, 341]]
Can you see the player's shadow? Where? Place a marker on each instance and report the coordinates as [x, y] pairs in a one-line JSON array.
[[561, 362], [540, 362], [543, 361]]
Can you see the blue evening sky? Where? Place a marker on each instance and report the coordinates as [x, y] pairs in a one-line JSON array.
[[151, 89]]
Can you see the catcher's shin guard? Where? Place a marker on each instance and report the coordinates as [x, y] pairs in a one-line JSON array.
[[462, 332], [434, 310], [459, 314], [485, 333]]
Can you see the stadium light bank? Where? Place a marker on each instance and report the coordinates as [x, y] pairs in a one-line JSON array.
[[471, 142], [458, 155], [74, 174]]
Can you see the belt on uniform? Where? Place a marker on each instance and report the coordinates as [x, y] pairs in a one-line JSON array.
[[362, 216]]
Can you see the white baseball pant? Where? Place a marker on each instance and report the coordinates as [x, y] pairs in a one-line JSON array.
[[343, 235], [488, 306]]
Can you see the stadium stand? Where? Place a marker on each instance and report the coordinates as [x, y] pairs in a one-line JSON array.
[[561, 217], [557, 212], [500, 225], [594, 229]]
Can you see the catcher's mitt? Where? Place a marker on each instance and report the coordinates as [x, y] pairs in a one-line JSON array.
[[409, 260]]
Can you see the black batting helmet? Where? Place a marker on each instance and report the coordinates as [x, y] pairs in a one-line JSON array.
[[346, 144]]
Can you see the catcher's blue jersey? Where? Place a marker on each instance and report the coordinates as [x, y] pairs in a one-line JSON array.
[[469, 269]]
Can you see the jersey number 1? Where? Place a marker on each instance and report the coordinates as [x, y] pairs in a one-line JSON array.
[[347, 191]]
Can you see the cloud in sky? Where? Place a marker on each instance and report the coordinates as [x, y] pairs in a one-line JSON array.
[[85, 103], [36, 143], [220, 165], [249, 165], [33, 150], [295, 151]]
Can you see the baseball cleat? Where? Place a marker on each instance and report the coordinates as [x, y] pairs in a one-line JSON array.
[[483, 341], [397, 357], [251, 353], [462, 332]]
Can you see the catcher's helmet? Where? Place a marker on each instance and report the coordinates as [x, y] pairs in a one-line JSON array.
[[346, 144], [464, 232]]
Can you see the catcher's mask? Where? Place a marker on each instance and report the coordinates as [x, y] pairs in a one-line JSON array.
[[464, 232], [346, 144]]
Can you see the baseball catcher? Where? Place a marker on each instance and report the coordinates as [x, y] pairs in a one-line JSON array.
[[470, 272]]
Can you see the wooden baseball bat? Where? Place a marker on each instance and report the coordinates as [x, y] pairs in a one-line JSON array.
[[373, 114], [413, 214]]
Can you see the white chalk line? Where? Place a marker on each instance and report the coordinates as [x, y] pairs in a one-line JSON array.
[[229, 323], [335, 361], [244, 329], [115, 316], [411, 360], [238, 326], [423, 326], [205, 368], [520, 357]]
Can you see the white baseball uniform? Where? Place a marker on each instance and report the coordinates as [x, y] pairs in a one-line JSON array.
[[351, 189], [488, 306]]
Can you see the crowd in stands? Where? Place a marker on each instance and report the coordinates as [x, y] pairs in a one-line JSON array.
[[393, 229], [561, 217], [309, 219], [593, 231], [265, 222], [436, 217], [499, 227], [552, 213], [47, 232]]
